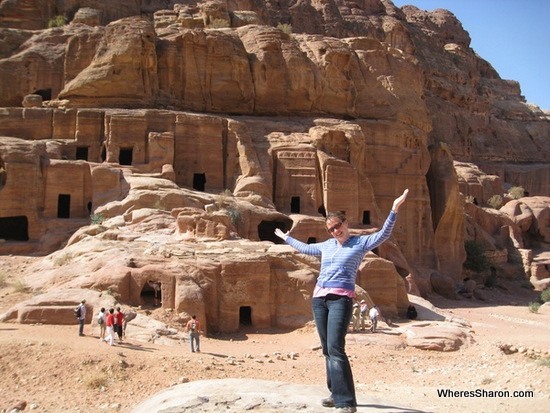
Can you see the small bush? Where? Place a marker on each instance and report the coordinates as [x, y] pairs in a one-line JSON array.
[[495, 201], [222, 198], [476, 260], [545, 361], [534, 306], [57, 21], [469, 199], [545, 295], [62, 259], [97, 219], [20, 286], [516, 192], [219, 24], [97, 382], [285, 28], [234, 215]]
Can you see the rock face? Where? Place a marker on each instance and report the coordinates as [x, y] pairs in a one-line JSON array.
[[209, 124]]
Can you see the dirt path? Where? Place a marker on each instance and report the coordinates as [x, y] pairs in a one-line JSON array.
[[54, 370]]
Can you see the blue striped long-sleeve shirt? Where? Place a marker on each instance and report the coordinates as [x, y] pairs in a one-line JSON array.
[[339, 263]]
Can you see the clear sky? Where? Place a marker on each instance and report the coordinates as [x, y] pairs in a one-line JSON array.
[[512, 35]]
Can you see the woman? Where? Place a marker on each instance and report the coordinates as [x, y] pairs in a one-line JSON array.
[[333, 296]]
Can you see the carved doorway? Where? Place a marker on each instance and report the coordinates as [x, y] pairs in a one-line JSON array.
[[14, 228], [125, 156], [245, 316], [199, 182], [64, 206]]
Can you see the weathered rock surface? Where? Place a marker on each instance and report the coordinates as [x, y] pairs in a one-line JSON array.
[[237, 395], [193, 130]]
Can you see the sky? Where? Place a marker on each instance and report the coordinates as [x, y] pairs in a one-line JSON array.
[[512, 35]]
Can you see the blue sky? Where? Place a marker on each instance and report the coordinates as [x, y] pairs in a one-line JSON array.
[[512, 35]]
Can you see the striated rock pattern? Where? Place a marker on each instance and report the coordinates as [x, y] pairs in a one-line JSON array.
[[195, 128]]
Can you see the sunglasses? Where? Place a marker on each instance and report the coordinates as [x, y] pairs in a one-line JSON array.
[[335, 227]]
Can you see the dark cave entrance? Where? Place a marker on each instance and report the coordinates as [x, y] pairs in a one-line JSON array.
[[63, 206], [82, 153], [199, 182], [125, 156], [266, 230], [245, 316], [14, 228], [151, 294], [295, 205], [366, 217]]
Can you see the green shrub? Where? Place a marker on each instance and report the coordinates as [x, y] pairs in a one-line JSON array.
[[534, 306], [545, 295], [476, 260], [469, 199], [57, 21], [516, 192], [97, 219], [285, 28], [495, 201], [234, 215]]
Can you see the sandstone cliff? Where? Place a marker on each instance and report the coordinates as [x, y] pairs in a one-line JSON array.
[[216, 122]]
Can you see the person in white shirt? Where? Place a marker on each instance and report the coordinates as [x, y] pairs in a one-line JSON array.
[[373, 315], [101, 322]]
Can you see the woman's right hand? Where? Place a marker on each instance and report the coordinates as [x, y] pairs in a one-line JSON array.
[[281, 234]]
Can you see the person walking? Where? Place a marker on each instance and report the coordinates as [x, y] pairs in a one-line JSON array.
[[119, 320], [110, 323], [356, 317], [333, 296], [81, 316], [364, 309], [374, 313], [101, 322], [193, 327]]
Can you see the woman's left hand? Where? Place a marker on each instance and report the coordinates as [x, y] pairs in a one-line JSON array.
[[399, 200]]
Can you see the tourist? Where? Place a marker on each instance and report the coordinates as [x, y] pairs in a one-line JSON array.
[[101, 322], [80, 312], [119, 320], [356, 317], [193, 327], [110, 323], [364, 309], [373, 315], [333, 296]]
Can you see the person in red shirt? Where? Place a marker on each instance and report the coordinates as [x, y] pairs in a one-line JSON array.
[[110, 323], [119, 321], [193, 327]]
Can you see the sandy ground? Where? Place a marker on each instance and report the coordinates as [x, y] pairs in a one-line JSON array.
[[55, 370]]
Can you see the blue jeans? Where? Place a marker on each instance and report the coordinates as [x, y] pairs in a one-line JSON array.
[[81, 326], [332, 316], [194, 338]]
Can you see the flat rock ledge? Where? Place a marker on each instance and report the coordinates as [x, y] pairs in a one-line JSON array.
[[242, 395]]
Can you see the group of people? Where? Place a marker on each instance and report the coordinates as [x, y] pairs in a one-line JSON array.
[[111, 324], [332, 301], [359, 316]]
